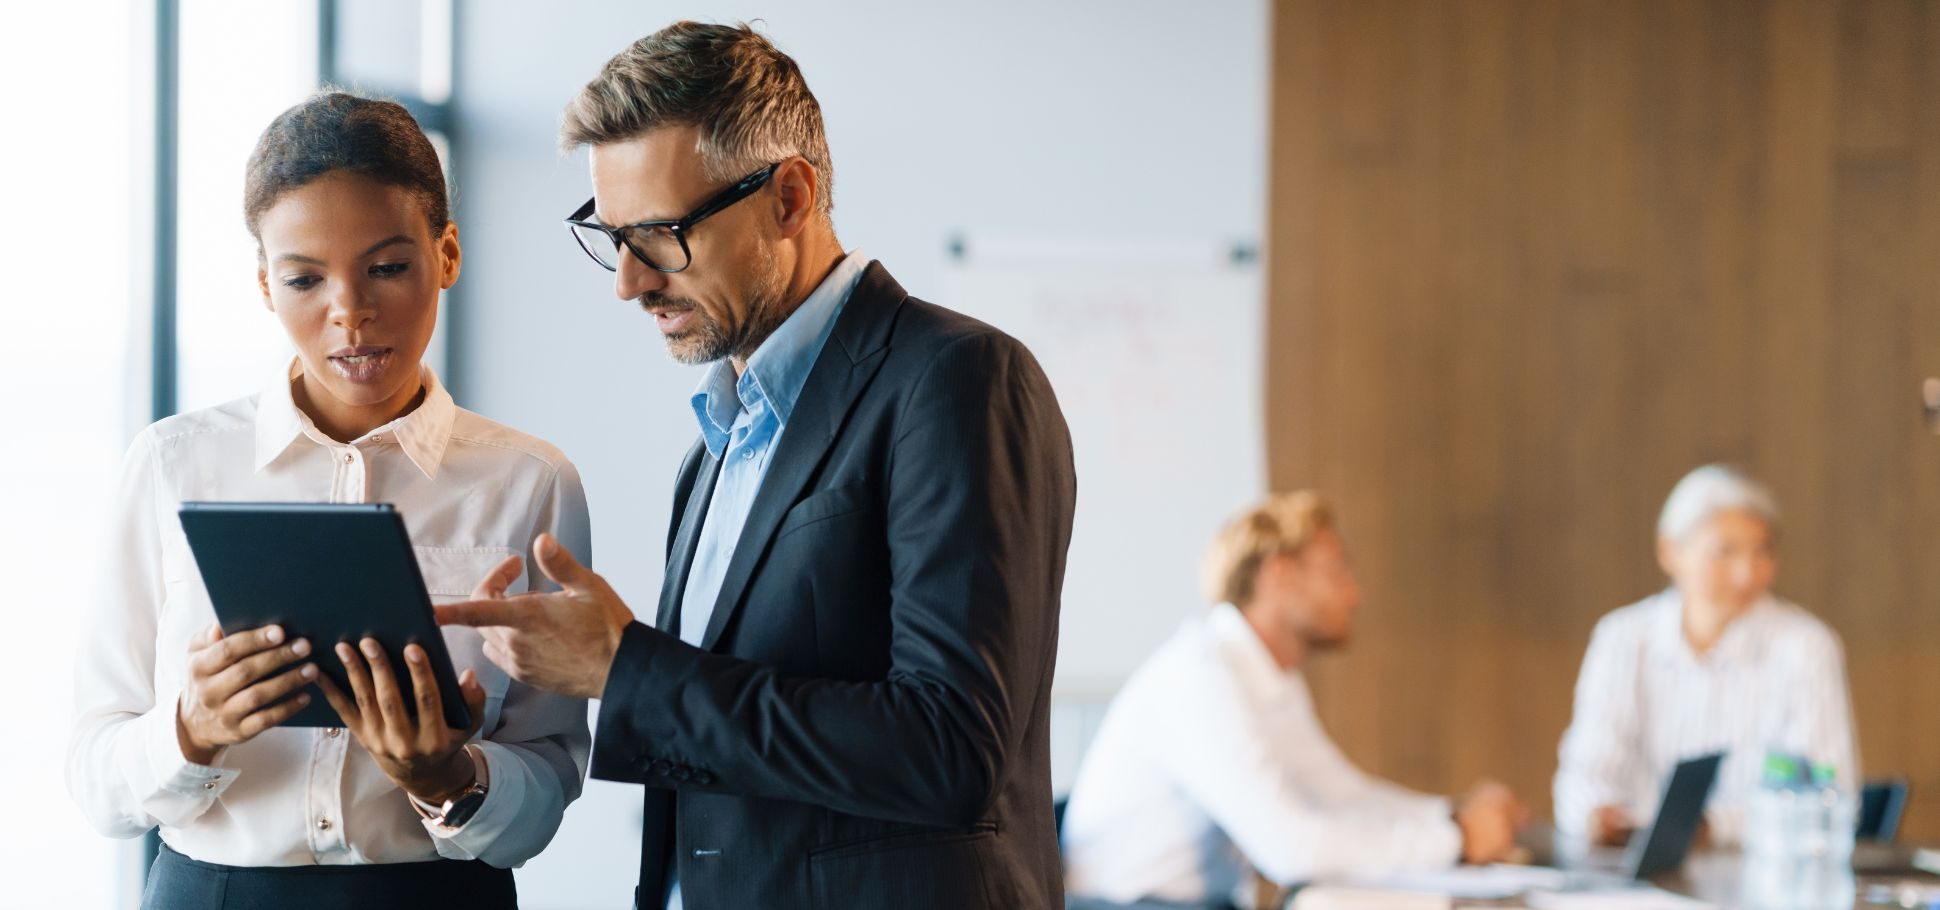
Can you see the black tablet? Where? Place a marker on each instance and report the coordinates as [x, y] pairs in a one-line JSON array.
[[328, 572]]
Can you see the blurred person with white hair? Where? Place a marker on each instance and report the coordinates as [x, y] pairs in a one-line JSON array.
[[1714, 663], [1211, 764]]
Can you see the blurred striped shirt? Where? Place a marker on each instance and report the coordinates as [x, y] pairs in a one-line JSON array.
[[1774, 681]]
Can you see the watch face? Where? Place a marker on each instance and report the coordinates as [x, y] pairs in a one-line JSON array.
[[464, 807]]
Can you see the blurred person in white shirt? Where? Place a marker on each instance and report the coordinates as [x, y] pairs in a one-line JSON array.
[[1713, 663], [1211, 763], [177, 723]]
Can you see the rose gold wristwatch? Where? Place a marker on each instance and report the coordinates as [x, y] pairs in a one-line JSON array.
[[459, 809]]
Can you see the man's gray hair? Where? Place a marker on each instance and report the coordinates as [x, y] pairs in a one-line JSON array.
[[749, 100], [1711, 489]]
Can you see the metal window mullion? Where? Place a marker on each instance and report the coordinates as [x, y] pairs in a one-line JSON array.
[[162, 347], [168, 49], [326, 42]]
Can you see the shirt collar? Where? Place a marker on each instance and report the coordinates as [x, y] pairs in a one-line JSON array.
[[716, 405], [1254, 662], [1733, 644], [779, 368], [424, 434]]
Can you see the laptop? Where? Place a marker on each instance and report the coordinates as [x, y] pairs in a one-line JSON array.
[[1659, 849], [1664, 845]]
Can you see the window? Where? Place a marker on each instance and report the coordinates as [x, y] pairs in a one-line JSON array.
[[243, 63], [133, 294], [400, 50], [75, 380]]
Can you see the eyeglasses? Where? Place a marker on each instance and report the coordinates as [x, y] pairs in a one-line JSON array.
[[662, 245]]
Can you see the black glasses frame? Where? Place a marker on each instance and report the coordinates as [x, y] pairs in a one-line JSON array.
[[739, 190]]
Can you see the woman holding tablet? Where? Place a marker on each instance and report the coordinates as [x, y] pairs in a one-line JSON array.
[[177, 723]]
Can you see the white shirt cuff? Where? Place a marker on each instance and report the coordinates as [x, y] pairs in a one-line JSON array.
[[180, 789], [1442, 835], [505, 792]]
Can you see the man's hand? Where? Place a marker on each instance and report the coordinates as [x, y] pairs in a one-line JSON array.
[[562, 642], [1489, 817]]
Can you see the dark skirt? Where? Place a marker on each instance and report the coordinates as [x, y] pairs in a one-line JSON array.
[[177, 882]]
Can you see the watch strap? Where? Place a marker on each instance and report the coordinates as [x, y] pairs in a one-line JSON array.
[[459, 809]]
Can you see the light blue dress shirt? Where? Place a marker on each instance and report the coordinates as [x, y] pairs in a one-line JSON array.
[[742, 420]]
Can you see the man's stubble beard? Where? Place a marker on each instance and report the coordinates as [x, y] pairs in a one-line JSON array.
[[708, 341]]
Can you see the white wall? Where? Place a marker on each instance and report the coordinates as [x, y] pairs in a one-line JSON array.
[[1080, 119]]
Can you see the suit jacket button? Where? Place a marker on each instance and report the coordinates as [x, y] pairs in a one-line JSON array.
[[703, 778], [682, 774], [660, 766]]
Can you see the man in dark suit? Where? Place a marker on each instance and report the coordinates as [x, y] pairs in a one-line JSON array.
[[844, 700]]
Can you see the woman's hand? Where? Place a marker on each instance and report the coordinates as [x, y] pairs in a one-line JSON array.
[[425, 757], [1611, 826], [230, 697]]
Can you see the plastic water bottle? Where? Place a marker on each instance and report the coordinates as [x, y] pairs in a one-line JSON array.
[[1770, 841], [1799, 829], [1828, 848]]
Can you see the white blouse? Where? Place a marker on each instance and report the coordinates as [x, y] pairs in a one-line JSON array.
[[1775, 680], [471, 493], [1211, 761]]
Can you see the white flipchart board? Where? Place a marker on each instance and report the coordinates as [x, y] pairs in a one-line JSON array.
[[1154, 349]]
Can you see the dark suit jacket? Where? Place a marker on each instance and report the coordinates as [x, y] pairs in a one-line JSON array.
[[866, 723]]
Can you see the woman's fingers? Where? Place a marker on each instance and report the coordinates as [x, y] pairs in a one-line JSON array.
[[268, 703], [474, 692], [219, 654], [385, 690], [269, 717], [424, 689], [340, 702], [262, 695], [206, 637], [361, 686], [247, 672]]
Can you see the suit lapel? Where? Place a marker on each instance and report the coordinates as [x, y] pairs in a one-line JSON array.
[[697, 483], [842, 370]]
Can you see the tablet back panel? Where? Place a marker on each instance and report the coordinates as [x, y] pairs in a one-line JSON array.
[[328, 572]]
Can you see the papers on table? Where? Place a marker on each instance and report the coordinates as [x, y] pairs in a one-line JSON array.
[[1927, 860], [1348, 897], [1481, 883], [1539, 887], [1637, 897]]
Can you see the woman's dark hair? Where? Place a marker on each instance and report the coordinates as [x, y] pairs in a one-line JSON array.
[[337, 131]]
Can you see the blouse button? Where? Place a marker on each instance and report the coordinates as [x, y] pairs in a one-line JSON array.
[[348, 458], [323, 824], [334, 732]]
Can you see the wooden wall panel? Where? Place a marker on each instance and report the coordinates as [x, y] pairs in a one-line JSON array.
[[1530, 261]]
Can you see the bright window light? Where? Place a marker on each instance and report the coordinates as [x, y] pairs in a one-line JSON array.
[[243, 63], [79, 156]]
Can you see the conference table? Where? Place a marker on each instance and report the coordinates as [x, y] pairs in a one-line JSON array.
[[1884, 875]]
